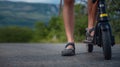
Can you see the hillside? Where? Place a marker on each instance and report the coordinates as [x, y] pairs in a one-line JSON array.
[[25, 14]]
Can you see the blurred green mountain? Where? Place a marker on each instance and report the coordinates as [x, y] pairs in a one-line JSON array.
[[25, 14]]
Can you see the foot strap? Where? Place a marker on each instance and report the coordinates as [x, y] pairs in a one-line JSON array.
[[72, 44], [68, 52]]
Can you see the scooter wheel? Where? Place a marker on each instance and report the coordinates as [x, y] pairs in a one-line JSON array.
[[90, 48]]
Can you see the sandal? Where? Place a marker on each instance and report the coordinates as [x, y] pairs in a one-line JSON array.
[[69, 52], [89, 37]]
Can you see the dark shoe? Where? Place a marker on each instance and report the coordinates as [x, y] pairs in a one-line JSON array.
[[68, 52], [89, 37]]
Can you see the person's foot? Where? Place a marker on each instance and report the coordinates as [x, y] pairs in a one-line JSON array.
[[89, 35], [69, 50], [69, 47]]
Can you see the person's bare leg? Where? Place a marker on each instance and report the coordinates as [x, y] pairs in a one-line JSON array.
[[68, 16], [92, 9]]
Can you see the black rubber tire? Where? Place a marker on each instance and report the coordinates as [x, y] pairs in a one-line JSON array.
[[106, 42], [90, 48]]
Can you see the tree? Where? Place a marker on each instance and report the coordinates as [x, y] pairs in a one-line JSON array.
[[15, 34], [80, 22], [40, 32], [56, 29]]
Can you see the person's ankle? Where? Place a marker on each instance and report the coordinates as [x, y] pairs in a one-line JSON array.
[[90, 28], [91, 33], [70, 46]]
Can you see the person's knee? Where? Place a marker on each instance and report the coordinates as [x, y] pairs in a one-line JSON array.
[[68, 1]]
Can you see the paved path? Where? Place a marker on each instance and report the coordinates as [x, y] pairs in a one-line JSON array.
[[48, 55]]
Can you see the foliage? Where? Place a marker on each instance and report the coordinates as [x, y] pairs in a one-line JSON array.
[[15, 34], [54, 31], [40, 32], [113, 10], [80, 22]]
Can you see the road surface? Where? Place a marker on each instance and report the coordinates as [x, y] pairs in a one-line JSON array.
[[48, 55]]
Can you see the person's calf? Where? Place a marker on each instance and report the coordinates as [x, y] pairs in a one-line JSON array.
[[68, 2]]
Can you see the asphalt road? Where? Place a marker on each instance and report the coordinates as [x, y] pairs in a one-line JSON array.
[[48, 55]]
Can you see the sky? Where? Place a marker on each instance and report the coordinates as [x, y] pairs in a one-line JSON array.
[[44, 1], [40, 1]]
